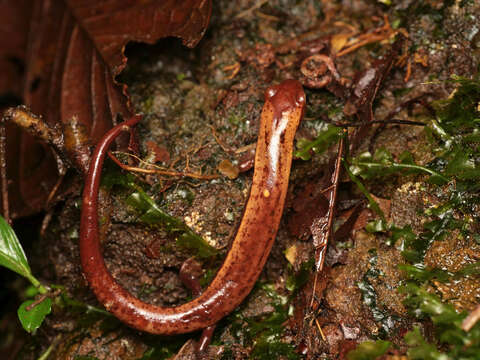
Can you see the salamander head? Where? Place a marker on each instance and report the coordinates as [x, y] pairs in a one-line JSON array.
[[286, 96]]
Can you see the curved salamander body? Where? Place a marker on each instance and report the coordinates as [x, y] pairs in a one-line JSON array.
[[281, 114]]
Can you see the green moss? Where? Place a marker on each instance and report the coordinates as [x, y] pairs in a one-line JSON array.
[[456, 343], [150, 213], [420, 349], [455, 132], [162, 348], [369, 297], [267, 349], [369, 350], [297, 280], [264, 333], [421, 273]]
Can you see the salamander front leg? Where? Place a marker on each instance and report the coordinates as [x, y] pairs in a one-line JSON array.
[[190, 273]]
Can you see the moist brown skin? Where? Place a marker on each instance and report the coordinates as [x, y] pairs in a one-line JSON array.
[[281, 115]]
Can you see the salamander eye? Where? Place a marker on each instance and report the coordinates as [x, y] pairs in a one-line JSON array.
[[270, 92], [301, 98]]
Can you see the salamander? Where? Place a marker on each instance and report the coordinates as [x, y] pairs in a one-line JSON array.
[[280, 117]]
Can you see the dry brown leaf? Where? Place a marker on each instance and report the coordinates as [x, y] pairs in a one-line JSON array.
[[71, 52]]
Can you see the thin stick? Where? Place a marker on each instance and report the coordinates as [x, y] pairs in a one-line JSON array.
[[321, 247], [3, 173], [387, 122], [159, 171], [245, 13], [471, 319], [320, 330]]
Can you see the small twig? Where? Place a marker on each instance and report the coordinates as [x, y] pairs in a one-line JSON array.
[[399, 121], [220, 142], [246, 148], [389, 118], [371, 39], [3, 173], [43, 297], [391, 121], [267, 17], [346, 25], [245, 13], [378, 34], [34, 125], [235, 68], [52, 346], [320, 330], [45, 222], [471, 319], [55, 189], [322, 246], [321, 242], [158, 170], [408, 73], [48, 216], [36, 302]]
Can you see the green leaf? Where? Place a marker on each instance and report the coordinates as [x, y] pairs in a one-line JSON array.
[[11, 252], [323, 141], [202, 248], [469, 270], [296, 280], [382, 164], [421, 350], [421, 273], [13, 257], [421, 302], [461, 165], [459, 113], [371, 202], [152, 214], [405, 234], [30, 292], [266, 349], [406, 157], [33, 318], [376, 226], [369, 350]]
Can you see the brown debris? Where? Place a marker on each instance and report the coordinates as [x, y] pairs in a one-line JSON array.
[[316, 76], [160, 153], [379, 34], [226, 168], [261, 57]]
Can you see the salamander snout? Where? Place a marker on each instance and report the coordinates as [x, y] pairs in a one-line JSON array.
[[286, 96]]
